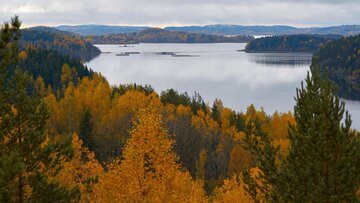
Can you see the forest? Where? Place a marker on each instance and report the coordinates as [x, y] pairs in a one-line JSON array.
[[49, 65], [289, 43], [157, 35], [66, 135], [339, 61], [63, 42]]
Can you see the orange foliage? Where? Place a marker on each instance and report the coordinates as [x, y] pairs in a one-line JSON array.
[[284, 145], [280, 124], [149, 171], [239, 157], [231, 191], [204, 123], [226, 128], [23, 55], [82, 170], [53, 122]]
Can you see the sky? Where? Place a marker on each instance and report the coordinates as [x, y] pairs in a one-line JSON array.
[[161, 13]]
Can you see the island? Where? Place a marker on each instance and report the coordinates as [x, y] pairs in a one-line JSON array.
[[289, 43]]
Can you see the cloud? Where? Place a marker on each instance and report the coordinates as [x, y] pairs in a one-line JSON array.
[[183, 12]]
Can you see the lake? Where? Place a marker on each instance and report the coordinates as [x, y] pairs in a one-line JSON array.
[[267, 80]]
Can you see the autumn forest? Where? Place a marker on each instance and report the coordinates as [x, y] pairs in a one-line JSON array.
[[67, 135]]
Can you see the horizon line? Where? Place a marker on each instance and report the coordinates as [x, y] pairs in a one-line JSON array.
[[188, 25]]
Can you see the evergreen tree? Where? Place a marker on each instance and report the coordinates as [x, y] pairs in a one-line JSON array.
[[86, 128], [27, 160], [215, 111], [261, 186], [10, 162], [323, 163]]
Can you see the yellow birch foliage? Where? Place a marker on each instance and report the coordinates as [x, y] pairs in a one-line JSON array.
[[280, 124], [284, 145], [253, 114], [204, 123], [117, 123], [200, 166], [231, 191], [23, 55], [239, 157], [82, 170], [226, 128], [54, 122], [40, 86], [70, 111], [183, 111], [149, 171]]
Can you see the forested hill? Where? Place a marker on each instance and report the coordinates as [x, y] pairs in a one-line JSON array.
[[340, 61], [156, 35], [100, 29], [268, 30], [60, 41], [289, 43], [50, 65], [217, 29]]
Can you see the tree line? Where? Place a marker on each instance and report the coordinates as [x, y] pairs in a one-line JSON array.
[[157, 35], [65, 43], [339, 61], [289, 43]]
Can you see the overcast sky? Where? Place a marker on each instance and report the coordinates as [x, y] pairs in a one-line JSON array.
[[160, 13]]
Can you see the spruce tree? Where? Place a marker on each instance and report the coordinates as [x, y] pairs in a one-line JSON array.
[[323, 163], [27, 159]]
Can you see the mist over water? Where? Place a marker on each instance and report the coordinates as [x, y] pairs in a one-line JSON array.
[[215, 71]]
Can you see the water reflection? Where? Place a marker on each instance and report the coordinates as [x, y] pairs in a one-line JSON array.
[[277, 59], [237, 78]]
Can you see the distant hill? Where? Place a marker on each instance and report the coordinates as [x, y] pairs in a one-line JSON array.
[[217, 29], [235, 29], [268, 30], [100, 29], [339, 60], [63, 42], [289, 43], [157, 35], [51, 30]]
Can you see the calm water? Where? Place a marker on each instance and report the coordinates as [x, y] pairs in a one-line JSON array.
[[214, 70]]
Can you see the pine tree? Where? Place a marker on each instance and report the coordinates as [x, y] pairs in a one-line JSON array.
[[10, 162], [323, 163], [261, 186], [27, 160]]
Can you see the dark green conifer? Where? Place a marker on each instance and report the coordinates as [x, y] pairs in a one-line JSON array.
[[26, 159], [86, 128], [323, 163]]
